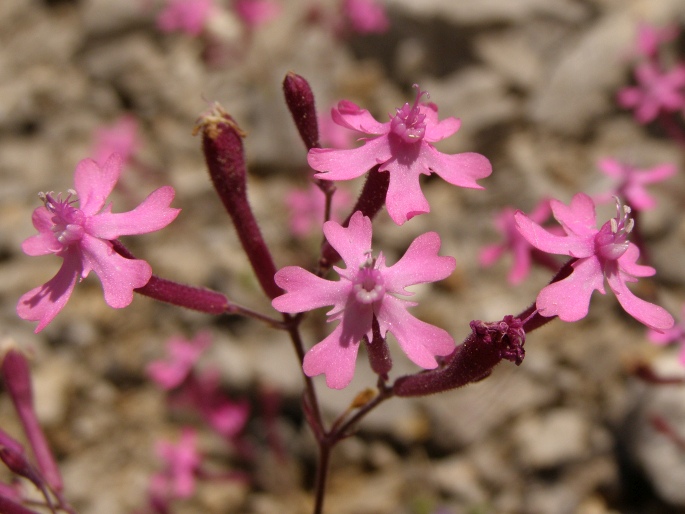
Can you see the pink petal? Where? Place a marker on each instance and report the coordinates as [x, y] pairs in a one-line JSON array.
[[336, 355], [351, 163], [420, 341], [305, 291], [628, 263], [578, 217], [404, 199], [570, 298], [351, 242], [351, 116], [521, 265], [437, 130], [44, 242], [489, 254], [653, 316], [656, 174], [612, 168], [43, 303], [462, 169], [667, 336], [94, 183], [119, 276], [551, 243], [152, 214], [419, 264]]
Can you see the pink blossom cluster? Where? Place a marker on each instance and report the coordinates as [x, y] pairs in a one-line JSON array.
[[660, 84], [599, 254], [629, 182], [403, 148], [82, 236], [369, 292], [198, 390], [192, 16]]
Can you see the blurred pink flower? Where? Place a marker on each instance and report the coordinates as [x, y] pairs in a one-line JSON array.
[[655, 91], [181, 464], [366, 16], [675, 334], [307, 207], [402, 147], [82, 236], [604, 253], [120, 138], [629, 182], [182, 356], [649, 38], [514, 242], [366, 292], [189, 16], [256, 12]]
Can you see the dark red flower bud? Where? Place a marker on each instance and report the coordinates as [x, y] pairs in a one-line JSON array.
[[473, 360], [222, 144], [300, 100]]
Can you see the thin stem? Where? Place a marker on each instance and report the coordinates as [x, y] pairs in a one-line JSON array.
[[292, 326], [322, 476]]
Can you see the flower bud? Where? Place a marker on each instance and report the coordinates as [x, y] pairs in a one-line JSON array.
[[472, 361], [300, 100]]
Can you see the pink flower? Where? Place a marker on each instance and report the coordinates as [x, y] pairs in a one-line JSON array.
[[256, 12], [402, 147], [189, 16], [600, 253], [630, 182], [514, 242], [120, 138], [183, 355], [656, 91], [181, 464], [307, 208], [227, 417], [366, 16], [675, 334], [366, 292], [81, 236], [649, 38]]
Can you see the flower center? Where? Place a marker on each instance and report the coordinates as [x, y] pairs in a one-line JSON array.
[[67, 220], [612, 239], [409, 124], [368, 283]]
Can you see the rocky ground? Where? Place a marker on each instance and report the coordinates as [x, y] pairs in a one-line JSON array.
[[534, 84]]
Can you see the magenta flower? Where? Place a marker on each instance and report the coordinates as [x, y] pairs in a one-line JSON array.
[[120, 138], [402, 147], [81, 237], [183, 355], [307, 208], [366, 291], [256, 12], [189, 16], [514, 242], [181, 464], [655, 91], [366, 16], [604, 253], [629, 182]]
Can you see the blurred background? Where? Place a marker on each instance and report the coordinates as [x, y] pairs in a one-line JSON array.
[[534, 83]]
